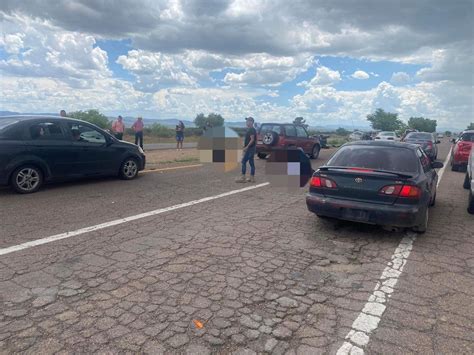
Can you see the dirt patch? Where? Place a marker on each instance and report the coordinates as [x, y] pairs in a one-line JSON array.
[[165, 158]]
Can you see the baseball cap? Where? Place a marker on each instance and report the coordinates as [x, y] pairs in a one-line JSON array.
[[250, 119]]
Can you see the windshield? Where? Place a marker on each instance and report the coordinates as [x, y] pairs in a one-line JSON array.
[[423, 136], [386, 134], [468, 137], [7, 122], [376, 157]]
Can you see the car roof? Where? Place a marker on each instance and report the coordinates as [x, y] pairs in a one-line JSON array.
[[279, 123], [383, 144], [467, 131], [35, 117]]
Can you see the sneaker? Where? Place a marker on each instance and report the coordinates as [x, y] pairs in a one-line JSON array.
[[241, 179], [251, 179]]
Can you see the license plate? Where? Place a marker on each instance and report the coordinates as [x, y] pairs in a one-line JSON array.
[[354, 214]]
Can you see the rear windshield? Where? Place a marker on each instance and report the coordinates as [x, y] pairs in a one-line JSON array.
[[468, 137], [424, 136], [270, 127], [6, 122], [376, 157]]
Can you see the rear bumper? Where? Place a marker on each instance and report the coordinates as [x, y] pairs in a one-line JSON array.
[[404, 216], [143, 163]]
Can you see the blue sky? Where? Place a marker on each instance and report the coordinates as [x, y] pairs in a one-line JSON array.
[[175, 59]]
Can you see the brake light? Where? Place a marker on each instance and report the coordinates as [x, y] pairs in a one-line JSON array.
[[430, 144], [407, 191], [464, 146], [361, 169], [321, 182]]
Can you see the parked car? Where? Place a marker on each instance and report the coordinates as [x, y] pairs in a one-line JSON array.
[[285, 135], [440, 135], [356, 136], [461, 150], [426, 141], [387, 136], [382, 183], [38, 149], [469, 182], [407, 131]]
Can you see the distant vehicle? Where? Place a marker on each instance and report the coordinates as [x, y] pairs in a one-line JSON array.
[[409, 130], [426, 141], [273, 136], [440, 135], [461, 150], [469, 182], [382, 183], [356, 136], [387, 136], [38, 149]]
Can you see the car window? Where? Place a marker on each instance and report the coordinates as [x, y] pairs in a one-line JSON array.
[[12, 131], [376, 157], [301, 132], [46, 130], [425, 136], [424, 160], [387, 134], [269, 127], [290, 130], [467, 137], [83, 133]]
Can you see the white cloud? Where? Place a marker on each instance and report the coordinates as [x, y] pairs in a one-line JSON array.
[[324, 76], [360, 74], [400, 78]]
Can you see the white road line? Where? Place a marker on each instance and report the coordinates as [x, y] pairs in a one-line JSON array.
[[368, 320], [56, 237]]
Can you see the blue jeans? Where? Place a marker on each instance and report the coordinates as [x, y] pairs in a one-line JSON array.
[[248, 157]]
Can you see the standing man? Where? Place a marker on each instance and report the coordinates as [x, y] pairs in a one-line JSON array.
[[118, 128], [250, 145], [179, 135], [62, 113], [138, 129]]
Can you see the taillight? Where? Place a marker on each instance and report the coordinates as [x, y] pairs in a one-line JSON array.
[[281, 141], [321, 182], [463, 146], [430, 144], [407, 191]]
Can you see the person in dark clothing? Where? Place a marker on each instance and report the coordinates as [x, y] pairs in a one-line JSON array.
[[250, 145], [179, 135]]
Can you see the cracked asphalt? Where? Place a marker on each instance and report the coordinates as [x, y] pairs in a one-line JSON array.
[[253, 272]]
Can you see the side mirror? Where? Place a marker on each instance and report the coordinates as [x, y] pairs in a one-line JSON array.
[[437, 165], [453, 140]]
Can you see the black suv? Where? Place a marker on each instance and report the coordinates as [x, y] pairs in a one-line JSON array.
[[38, 149], [278, 136]]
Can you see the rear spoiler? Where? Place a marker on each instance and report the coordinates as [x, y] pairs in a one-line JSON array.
[[363, 170]]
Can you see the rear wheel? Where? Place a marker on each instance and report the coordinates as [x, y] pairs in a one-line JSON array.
[[470, 206], [261, 155], [27, 179], [270, 138], [423, 226], [315, 152], [467, 183], [129, 169]]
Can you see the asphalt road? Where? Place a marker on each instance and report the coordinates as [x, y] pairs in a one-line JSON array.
[[244, 272]]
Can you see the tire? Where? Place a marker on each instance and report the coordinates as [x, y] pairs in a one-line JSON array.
[[470, 205], [129, 169], [270, 138], [315, 152], [423, 226], [467, 182], [433, 201], [261, 155], [27, 179]]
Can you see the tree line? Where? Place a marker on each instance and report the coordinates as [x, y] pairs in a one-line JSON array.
[[379, 120]]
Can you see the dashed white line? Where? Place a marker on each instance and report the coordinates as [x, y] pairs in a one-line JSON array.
[[56, 237], [368, 320]]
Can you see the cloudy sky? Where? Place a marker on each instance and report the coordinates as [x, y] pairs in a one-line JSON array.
[[332, 62]]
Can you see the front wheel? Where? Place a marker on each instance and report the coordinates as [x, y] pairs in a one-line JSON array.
[[129, 169], [27, 179]]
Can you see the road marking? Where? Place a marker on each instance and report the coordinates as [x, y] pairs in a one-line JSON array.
[[172, 168], [116, 222], [368, 319]]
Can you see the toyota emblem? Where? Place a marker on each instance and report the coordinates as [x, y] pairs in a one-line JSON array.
[[358, 180]]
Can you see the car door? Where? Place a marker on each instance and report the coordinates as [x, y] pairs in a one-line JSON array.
[[303, 140], [430, 173], [48, 141], [95, 155], [291, 139]]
